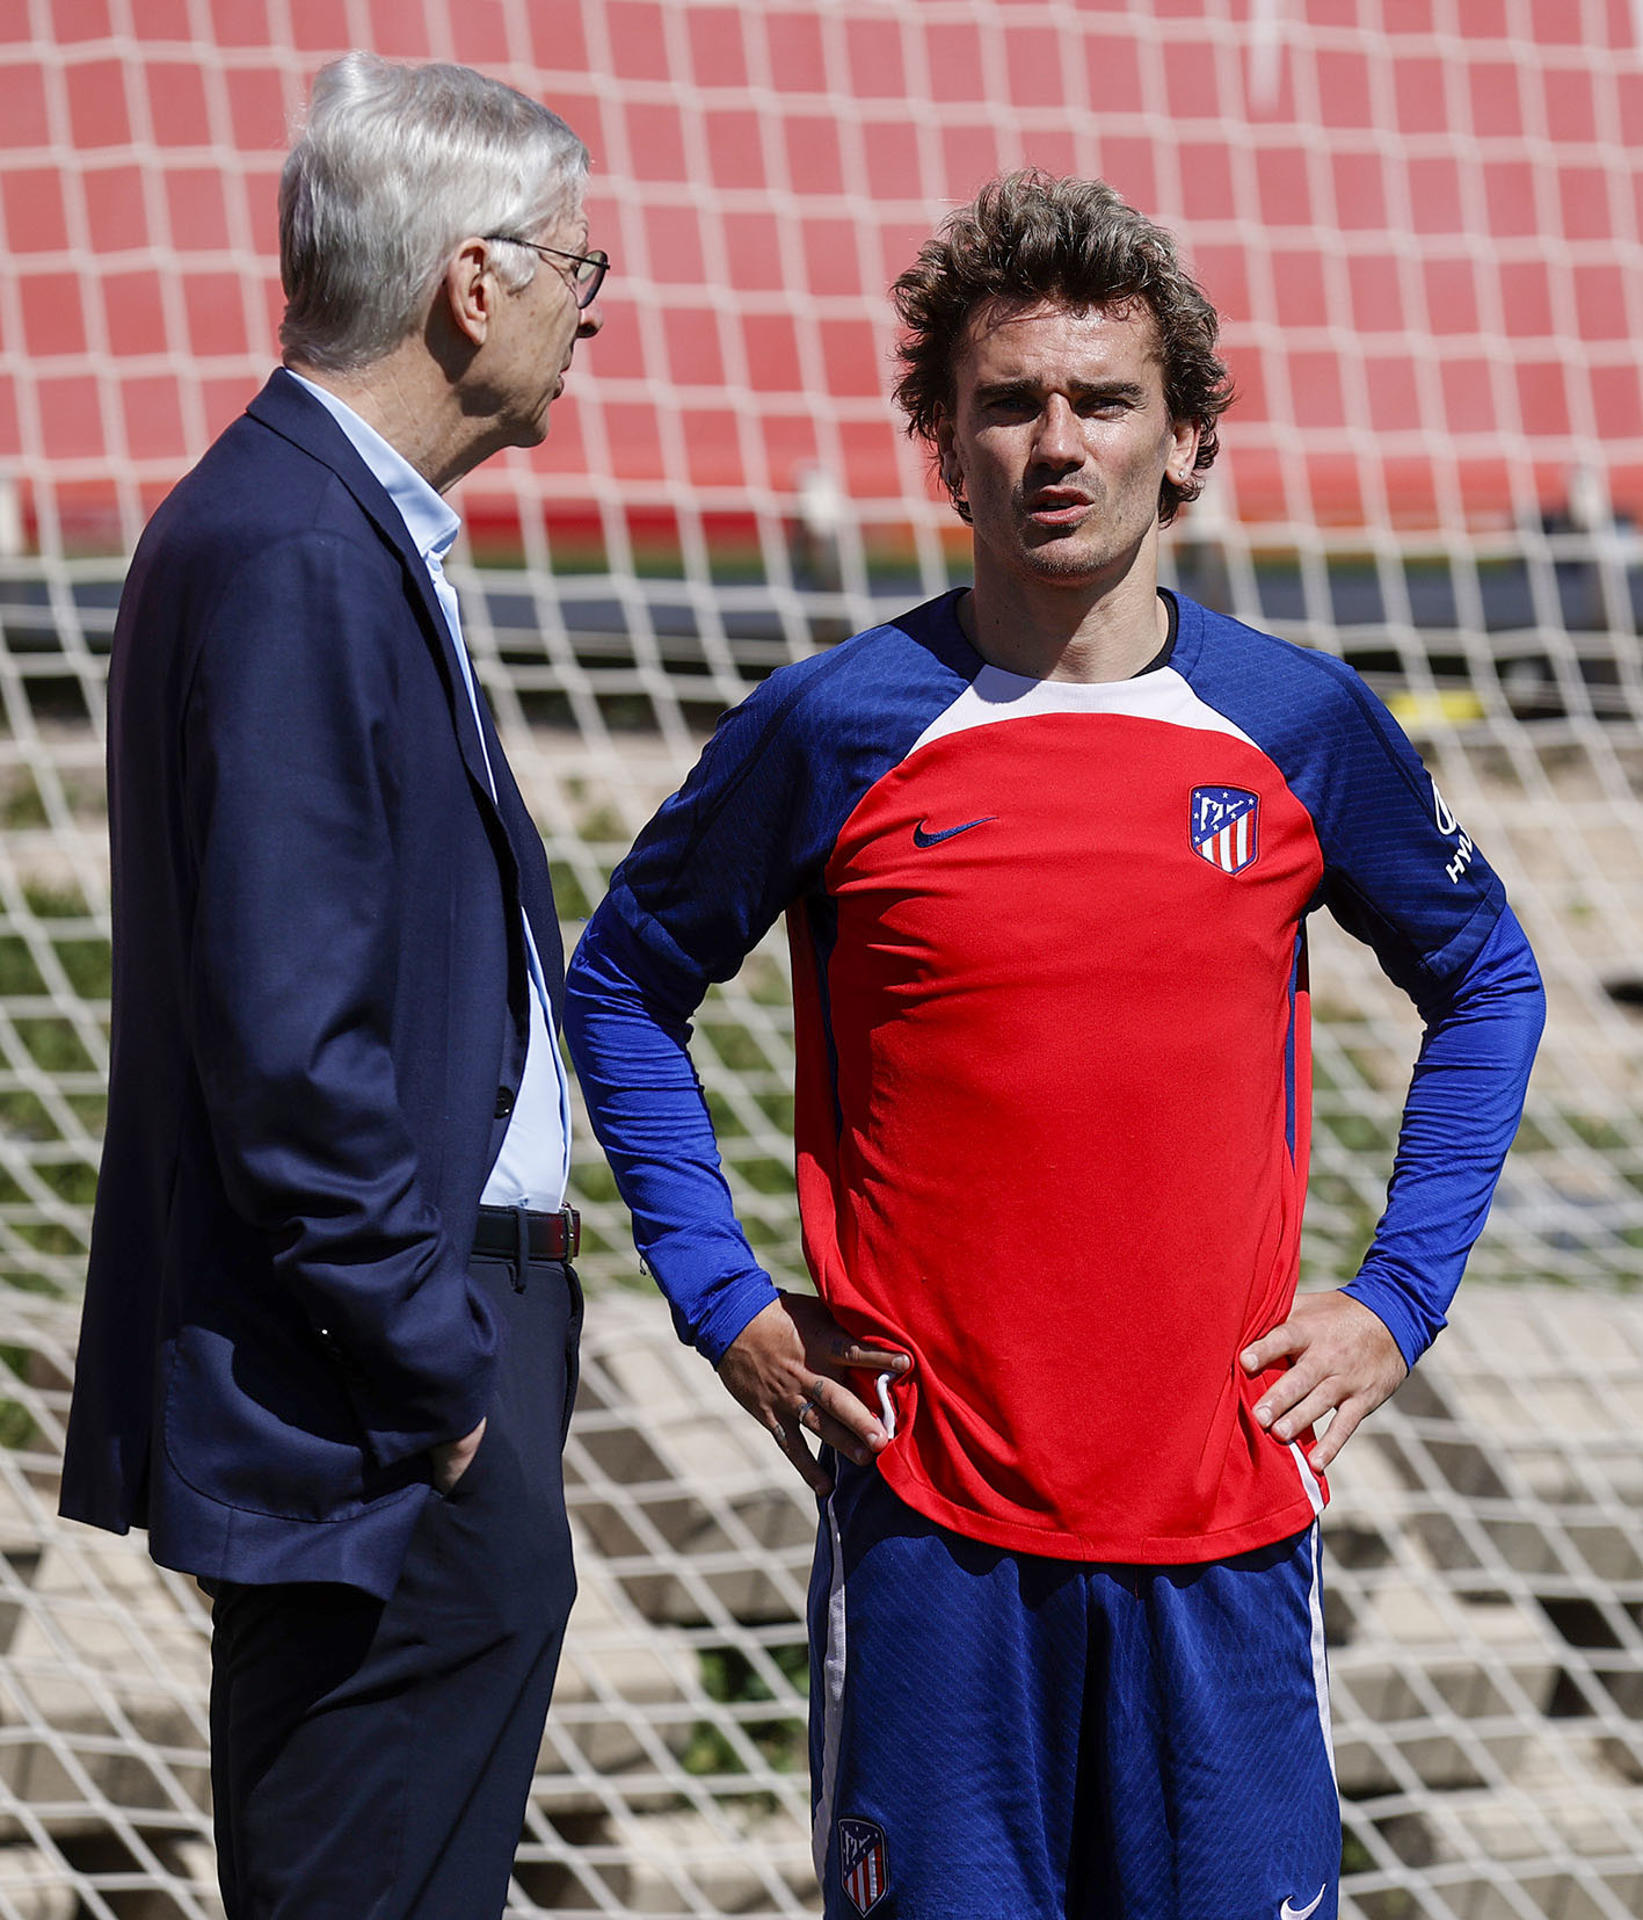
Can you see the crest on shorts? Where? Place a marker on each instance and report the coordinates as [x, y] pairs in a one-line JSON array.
[[1222, 823], [864, 1864]]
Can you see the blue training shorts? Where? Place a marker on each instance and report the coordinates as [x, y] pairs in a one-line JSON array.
[[1000, 1736]]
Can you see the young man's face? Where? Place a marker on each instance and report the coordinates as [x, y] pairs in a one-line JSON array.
[[1059, 438]]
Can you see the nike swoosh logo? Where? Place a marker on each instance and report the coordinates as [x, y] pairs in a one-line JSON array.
[[923, 839], [1289, 1912]]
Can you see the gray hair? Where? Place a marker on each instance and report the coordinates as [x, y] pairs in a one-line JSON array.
[[394, 165]]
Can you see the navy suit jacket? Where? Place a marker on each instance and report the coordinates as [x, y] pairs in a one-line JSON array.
[[319, 1020]]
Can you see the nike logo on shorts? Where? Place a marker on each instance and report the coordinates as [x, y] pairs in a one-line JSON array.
[[923, 839]]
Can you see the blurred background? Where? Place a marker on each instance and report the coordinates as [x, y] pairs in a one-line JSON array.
[[1421, 222]]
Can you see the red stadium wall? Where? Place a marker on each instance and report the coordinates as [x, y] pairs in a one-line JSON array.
[[1419, 217]]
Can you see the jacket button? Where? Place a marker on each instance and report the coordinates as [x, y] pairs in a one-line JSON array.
[[504, 1102]]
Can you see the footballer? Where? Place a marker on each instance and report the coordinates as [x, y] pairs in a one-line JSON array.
[[1047, 848]]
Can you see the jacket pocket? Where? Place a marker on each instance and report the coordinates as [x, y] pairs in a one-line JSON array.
[[268, 1428]]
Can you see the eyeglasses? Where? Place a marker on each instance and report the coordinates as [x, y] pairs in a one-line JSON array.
[[591, 268]]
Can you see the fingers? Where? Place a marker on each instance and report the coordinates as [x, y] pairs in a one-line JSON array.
[[791, 1441], [792, 1368], [850, 1353], [1305, 1413], [1341, 1429], [1279, 1344], [826, 1343], [1295, 1405], [452, 1458], [827, 1405], [841, 1421], [1298, 1402], [1341, 1360]]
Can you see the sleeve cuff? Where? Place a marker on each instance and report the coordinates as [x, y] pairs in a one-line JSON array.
[[737, 1308], [1413, 1333], [435, 1412], [389, 1446]]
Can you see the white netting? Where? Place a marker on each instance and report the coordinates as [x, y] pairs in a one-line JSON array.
[[1421, 218], [1485, 1618]]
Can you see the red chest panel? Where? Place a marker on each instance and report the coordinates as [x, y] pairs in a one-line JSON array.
[[1061, 1051]]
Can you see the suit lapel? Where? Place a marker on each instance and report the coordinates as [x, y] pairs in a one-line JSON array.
[[531, 860], [298, 417]]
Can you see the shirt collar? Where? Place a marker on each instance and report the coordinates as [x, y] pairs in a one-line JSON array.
[[432, 525]]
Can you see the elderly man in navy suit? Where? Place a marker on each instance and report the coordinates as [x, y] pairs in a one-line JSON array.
[[328, 1352]]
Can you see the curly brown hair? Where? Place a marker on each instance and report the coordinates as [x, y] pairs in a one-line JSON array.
[[1028, 237]]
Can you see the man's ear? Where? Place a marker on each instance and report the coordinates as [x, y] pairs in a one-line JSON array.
[[947, 461], [1185, 436], [469, 287]]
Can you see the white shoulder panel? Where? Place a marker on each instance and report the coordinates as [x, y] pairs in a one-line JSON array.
[[994, 696]]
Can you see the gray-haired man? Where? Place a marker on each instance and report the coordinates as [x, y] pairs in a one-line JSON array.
[[330, 1329]]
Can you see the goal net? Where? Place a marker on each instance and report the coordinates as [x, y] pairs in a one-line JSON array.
[[1420, 219]]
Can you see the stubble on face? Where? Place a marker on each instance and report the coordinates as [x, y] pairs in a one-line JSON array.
[[1060, 437]]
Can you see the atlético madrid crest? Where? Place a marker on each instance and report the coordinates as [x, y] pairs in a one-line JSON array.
[[1223, 823], [864, 1863]]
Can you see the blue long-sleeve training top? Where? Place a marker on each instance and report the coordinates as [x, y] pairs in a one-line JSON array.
[[1053, 1087]]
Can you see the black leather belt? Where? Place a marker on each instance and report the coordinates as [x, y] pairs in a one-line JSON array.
[[515, 1231]]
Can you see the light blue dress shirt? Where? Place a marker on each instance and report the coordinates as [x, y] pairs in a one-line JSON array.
[[534, 1164]]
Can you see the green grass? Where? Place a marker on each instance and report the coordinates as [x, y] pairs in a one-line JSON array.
[[568, 893], [729, 1676], [54, 1045], [19, 976], [21, 805], [18, 1429], [23, 1116]]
